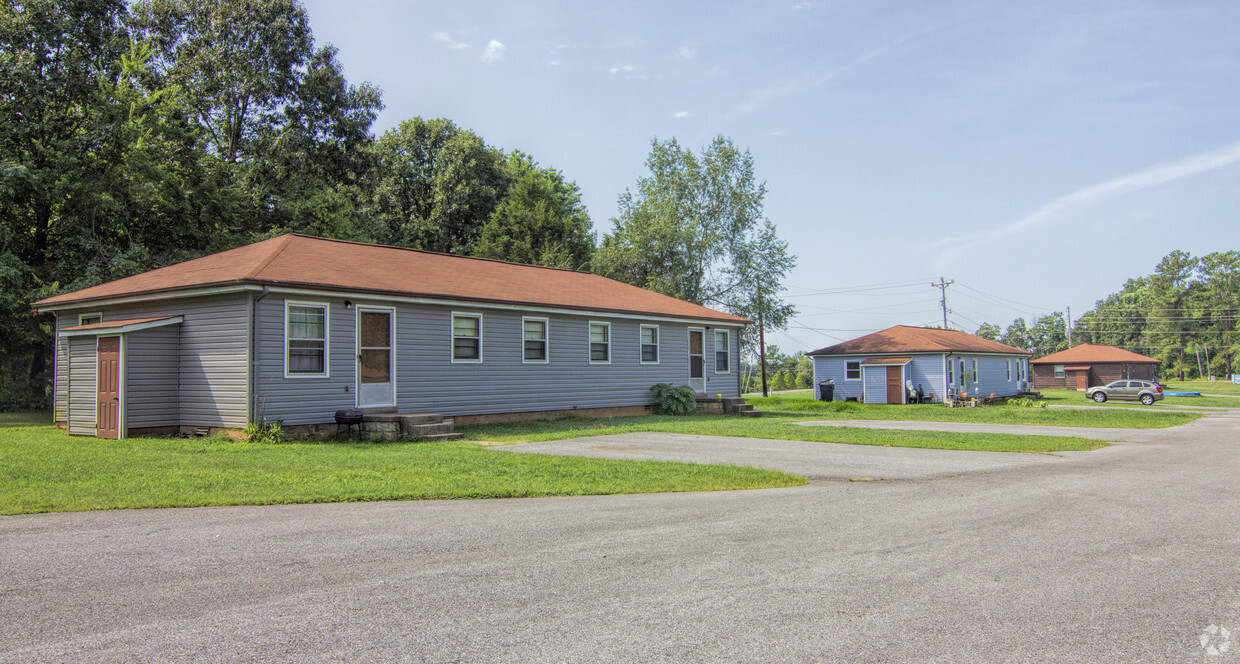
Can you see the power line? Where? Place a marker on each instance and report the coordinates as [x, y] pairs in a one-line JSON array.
[[942, 286]]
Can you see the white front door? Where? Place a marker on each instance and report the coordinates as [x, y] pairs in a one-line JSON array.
[[375, 384], [697, 359]]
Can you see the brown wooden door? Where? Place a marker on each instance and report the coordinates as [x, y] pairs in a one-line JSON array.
[[895, 386], [107, 386], [1082, 380]]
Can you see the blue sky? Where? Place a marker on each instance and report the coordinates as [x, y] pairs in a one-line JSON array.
[[1037, 153]]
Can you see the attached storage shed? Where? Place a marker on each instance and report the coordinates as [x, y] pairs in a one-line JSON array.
[[293, 328]]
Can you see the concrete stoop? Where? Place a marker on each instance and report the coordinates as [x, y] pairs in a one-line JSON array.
[[418, 426], [726, 406]]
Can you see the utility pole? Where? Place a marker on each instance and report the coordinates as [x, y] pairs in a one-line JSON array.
[[1069, 327], [942, 286], [761, 343]]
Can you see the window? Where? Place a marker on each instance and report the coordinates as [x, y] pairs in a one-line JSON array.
[[852, 371], [89, 319], [1009, 370], [650, 344], [466, 338], [305, 339], [534, 339], [722, 353], [951, 378], [600, 343], [1059, 371], [974, 375]]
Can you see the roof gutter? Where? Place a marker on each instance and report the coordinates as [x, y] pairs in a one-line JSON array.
[[252, 379]]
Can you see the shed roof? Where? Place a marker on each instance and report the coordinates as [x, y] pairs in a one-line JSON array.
[[301, 261], [1093, 354], [871, 361], [907, 339]]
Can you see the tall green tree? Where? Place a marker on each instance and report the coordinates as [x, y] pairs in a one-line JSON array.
[[1016, 335], [1049, 334], [694, 229], [436, 186], [54, 57], [989, 331], [541, 220]]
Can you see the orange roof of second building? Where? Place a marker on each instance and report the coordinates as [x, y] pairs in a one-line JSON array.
[[1090, 353], [907, 339], [300, 261]]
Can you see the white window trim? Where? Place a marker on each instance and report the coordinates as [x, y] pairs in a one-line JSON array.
[[546, 340], [452, 337], [658, 351], [590, 343], [357, 350], [951, 377], [327, 337], [727, 345], [1009, 370], [859, 370], [92, 314]]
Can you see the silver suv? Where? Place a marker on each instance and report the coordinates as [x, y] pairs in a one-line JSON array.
[[1145, 391]]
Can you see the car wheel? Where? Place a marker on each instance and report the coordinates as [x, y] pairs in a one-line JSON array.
[[1100, 396], [1147, 399]]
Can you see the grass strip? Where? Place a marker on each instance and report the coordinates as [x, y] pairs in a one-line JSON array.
[[777, 428], [42, 469], [1074, 398], [802, 404]]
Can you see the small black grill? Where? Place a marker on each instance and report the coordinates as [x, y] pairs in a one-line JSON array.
[[349, 418]]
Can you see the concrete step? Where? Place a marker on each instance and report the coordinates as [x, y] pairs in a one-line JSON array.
[[749, 413], [423, 430], [380, 410], [441, 436]]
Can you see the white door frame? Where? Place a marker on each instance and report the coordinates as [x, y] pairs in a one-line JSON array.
[[357, 356], [701, 388]]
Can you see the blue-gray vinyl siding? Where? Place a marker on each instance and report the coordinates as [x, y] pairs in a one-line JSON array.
[[80, 389], [428, 381], [874, 383], [60, 378], [210, 368], [992, 375], [152, 377]]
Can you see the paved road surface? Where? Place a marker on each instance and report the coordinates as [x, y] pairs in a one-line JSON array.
[[1127, 554]]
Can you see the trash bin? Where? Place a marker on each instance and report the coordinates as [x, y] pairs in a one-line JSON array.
[[826, 390]]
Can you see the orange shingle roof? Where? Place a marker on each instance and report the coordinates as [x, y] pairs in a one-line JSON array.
[[906, 339], [301, 261], [113, 324], [1091, 353]]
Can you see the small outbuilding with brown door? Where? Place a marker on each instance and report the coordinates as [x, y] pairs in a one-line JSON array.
[[883, 366], [1087, 365]]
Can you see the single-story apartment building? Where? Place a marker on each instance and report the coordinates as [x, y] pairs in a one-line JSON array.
[[1087, 365], [293, 328], [878, 367]]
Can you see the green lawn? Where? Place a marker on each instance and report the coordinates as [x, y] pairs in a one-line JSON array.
[[802, 405], [772, 427], [1074, 398], [42, 469], [1204, 386]]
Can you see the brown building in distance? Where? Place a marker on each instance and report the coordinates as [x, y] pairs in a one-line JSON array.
[[1084, 366]]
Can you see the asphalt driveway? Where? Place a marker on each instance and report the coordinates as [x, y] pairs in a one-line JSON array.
[[1126, 554]]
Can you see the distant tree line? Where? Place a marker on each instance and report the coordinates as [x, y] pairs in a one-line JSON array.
[[1184, 314], [137, 135]]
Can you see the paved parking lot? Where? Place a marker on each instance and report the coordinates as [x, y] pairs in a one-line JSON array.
[[1126, 554]]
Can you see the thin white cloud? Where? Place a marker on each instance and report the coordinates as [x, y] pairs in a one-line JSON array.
[[553, 63], [802, 5], [447, 39], [776, 132], [1065, 206], [622, 69], [813, 78], [494, 52], [682, 114], [686, 53]]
